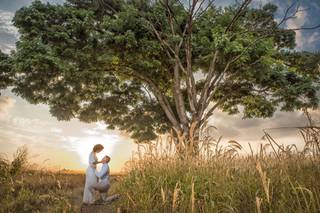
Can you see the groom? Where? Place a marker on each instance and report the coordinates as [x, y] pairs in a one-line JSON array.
[[104, 183]]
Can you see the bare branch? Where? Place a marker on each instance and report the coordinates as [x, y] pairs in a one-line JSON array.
[[148, 92], [305, 28], [205, 89], [286, 17], [199, 13], [162, 41], [190, 81], [178, 97], [212, 109], [191, 88], [238, 14]]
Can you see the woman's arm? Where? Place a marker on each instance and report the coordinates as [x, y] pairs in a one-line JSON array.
[[93, 160], [96, 162]]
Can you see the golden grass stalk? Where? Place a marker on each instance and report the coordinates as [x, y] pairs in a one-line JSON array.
[[192, 197], [163, 196], [130, 198], [258, 204], [264, 180], [175, 197]]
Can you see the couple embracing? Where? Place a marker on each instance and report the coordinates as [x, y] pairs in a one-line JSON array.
[[96, 180]]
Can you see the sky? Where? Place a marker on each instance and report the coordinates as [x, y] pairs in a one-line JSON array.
[[59, 144]]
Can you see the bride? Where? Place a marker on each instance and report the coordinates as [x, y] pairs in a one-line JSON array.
[[91, 178]]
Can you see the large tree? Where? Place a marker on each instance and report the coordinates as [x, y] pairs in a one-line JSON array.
[[159, 66]]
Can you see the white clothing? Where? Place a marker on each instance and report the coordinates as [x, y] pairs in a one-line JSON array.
[[104, 174], [91, 179], [104, 181], [93, 160]]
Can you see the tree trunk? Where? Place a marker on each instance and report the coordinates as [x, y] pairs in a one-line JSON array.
[[187, 141]]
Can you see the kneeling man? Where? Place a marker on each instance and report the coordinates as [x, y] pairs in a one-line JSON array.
[[104, 179]]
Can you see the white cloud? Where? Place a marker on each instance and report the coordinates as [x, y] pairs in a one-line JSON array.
[[29, 124], [101, 125], [92, 132], [234, 127], [315, 116], [99, 129], [55, 130], [8, 32], [6, 103], [282, 127], [6, 23], [7, 48], [299, 21], [313, 39]]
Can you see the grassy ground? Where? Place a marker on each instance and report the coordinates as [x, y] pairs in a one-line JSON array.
[[223, 185], [285, 180], [24, 189]]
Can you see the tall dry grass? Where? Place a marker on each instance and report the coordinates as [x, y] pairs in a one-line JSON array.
[[274, 179], [277, 178], [26, 189]]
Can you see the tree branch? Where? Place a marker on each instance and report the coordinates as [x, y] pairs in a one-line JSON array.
[[238, 14], [190, 81], [212, 109], [163, 101], [205, 89], [178, 97]]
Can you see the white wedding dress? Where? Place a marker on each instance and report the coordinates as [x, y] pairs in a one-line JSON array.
[[91, 178]]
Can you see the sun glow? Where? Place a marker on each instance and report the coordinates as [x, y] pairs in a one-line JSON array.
[[83, 146]]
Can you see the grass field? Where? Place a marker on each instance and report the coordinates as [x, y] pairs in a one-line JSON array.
[[282, 179], [24, 188]]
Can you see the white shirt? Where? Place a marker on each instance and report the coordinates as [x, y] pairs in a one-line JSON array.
[[103, 174], [93, 159]]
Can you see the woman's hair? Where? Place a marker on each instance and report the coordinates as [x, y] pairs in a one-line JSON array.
[[97, 147]]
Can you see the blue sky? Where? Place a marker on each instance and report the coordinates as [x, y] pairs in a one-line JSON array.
[[66, 144]]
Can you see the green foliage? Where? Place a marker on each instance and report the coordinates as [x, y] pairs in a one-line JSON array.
[[5, 71], [101, 61]]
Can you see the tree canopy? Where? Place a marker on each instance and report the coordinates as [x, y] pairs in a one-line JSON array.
[[150, 67], [5, 71]]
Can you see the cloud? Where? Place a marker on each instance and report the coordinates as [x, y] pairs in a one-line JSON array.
[[56, 130], [8, 33], [30, 124], [6, 103], [100, 125], [234, 127], [100, 128], [313, 39], [91, 132], [306, 40], [6, 23], [7, 48], [315, 116], [281, 127], [299, 21]]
